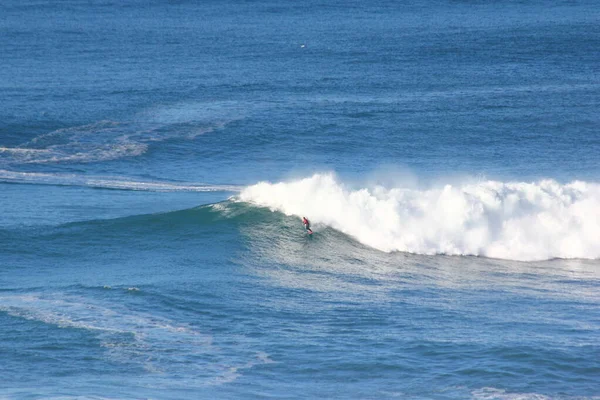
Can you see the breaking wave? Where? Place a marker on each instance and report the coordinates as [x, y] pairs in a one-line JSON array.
[[509, 220]]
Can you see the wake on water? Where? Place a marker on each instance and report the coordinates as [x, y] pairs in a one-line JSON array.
[[509, 220]]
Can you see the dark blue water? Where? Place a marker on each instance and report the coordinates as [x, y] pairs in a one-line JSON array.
[[446, 153]]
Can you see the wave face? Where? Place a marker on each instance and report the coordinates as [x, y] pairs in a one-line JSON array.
[[509, 220]]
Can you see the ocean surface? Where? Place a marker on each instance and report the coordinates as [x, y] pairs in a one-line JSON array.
[[156, 158]]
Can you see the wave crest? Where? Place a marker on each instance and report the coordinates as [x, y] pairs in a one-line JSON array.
[[510, 220]]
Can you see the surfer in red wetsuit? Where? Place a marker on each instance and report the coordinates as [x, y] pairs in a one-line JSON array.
[[306, 223]]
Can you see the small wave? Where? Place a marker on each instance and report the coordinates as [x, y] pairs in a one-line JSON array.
[[109, 182], [509, 220]]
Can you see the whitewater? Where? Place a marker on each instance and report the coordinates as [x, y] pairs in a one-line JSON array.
[[509, 220]]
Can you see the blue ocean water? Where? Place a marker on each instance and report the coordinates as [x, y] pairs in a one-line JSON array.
[[156, 159]]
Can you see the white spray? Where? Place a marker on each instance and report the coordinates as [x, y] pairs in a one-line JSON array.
[[510, 220]]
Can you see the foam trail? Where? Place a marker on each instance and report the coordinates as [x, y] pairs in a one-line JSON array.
[[111, 140], [109, 182], [510, 220]]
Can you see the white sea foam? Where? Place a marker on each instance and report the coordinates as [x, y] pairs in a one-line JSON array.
[[509, 220], [109, 140], [17, 150], [100, 141], [489, 393]]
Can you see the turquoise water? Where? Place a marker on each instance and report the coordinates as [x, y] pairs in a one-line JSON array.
[[156, 159]]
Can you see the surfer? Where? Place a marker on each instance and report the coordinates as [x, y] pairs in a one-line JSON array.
[[306, 223]]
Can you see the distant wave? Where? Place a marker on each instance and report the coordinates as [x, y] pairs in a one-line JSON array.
[[509, 220], [109, 182]]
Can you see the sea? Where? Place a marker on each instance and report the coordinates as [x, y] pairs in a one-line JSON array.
[[157, 158]]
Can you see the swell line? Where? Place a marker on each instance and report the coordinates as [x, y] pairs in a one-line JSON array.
[[114, 183]]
